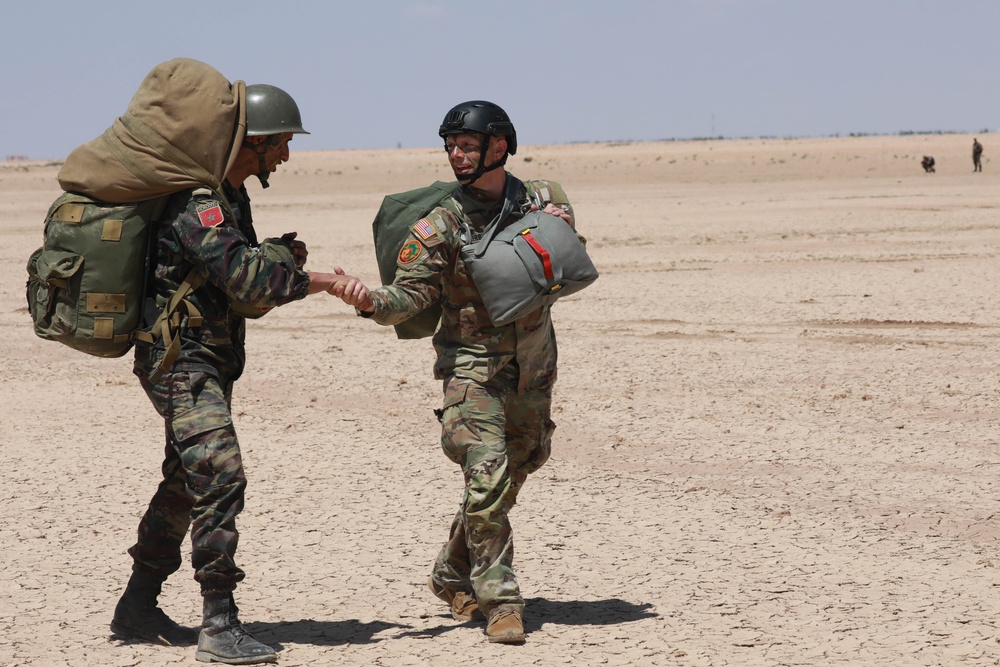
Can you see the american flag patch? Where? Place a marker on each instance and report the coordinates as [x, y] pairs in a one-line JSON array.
[[424, 229]]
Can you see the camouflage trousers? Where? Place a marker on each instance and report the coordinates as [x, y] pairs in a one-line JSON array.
[[203, 483], [499, 437]]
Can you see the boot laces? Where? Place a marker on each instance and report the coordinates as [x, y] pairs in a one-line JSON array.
[[235, 626]]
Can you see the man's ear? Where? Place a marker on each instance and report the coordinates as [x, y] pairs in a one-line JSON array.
[[501, 148]]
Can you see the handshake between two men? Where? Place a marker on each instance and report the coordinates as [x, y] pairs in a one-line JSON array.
[[348, 288]]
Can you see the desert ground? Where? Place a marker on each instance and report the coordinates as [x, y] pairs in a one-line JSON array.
[[778, 433]]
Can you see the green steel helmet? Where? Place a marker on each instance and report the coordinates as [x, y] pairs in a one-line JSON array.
[[482, 117], [270, 110]]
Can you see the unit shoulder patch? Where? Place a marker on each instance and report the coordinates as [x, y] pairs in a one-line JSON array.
[[410, 251]]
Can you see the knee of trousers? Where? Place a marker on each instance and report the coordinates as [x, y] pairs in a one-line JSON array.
[[487, 487]]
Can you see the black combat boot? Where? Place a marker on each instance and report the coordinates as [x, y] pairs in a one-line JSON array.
[[223, 638], [138, 617]]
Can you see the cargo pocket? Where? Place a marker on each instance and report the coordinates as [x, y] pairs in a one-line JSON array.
[[53, 311], [457, 429], [197, 405], [543, 451]]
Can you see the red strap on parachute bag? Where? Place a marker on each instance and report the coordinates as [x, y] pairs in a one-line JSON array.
[[542, 252]]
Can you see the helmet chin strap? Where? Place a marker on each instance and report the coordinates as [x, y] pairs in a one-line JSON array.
[[262, 171], [469, 179]]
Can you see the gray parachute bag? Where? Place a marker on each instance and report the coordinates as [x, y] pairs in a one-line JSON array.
[[527, 263]]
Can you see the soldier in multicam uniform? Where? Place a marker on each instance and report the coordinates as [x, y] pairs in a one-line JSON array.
[[203, 479], [497, 380], [977, 155]]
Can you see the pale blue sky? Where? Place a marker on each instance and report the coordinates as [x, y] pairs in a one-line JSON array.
[[377, 73]]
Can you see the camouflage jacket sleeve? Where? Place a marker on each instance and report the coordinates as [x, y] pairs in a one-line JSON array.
[[261, 276], [423, 261]]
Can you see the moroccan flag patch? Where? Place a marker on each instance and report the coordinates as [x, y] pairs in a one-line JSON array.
[[209, 214], [409, 252]]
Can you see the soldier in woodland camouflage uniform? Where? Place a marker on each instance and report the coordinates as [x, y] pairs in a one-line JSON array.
[[497, 380], [977, 153], [203, 479]]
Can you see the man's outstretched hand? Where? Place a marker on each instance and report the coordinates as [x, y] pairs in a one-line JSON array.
[[349, 289]]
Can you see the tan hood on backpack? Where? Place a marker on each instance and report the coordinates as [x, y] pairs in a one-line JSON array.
[[183, 129]]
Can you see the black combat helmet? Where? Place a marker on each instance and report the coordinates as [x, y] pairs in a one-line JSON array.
[[480, 117], [271, 112]]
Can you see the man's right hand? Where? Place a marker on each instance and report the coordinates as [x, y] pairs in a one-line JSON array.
[[350, 289], [353, 292]]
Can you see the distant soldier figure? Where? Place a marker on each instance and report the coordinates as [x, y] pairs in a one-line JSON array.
[[977, 152], [928, 164]]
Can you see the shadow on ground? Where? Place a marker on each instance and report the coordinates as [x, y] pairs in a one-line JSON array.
[[319, 633], [538, 612]]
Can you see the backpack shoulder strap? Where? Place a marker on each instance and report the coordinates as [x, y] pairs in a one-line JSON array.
[[546, 192], [168, 322], [510, 205]]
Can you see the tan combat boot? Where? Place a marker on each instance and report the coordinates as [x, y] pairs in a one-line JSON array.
[[463, 606], [505, 625]]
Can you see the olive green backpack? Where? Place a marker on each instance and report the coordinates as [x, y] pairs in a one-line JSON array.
[[391, 228], [87, 284]]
